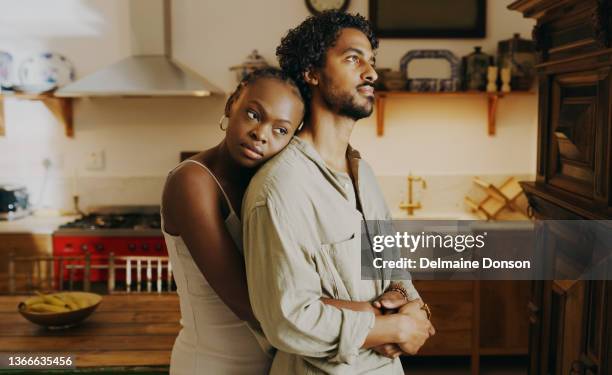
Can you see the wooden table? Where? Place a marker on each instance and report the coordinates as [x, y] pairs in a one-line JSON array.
[[127, 330]]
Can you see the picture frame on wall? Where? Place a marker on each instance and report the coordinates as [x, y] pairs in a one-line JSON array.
[[428, 18]]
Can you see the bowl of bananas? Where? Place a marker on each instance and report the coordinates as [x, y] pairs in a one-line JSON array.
[[59, 310]]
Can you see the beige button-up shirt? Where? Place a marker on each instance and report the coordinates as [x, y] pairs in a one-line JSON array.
[[302, 241]]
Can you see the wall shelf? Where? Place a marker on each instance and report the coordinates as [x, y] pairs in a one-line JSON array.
[[492, 102], [60, 107]]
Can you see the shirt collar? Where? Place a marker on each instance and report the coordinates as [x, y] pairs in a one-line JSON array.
[[354, 160], [308, 150]]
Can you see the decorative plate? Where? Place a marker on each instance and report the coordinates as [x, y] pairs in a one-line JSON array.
[[46, 69], [6, 64], [426, 84]]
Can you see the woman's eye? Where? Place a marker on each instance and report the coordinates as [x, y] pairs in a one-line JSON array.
[[252, 114], [281, 131]]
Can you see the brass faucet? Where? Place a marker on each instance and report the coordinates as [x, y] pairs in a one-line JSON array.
[[411, 206]]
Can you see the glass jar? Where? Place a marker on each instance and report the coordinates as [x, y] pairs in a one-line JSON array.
[[519, 55], [475, 67]]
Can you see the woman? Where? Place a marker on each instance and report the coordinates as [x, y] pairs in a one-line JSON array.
[[201, 224]]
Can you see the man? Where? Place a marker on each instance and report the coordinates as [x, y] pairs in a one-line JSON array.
[[302, 218]]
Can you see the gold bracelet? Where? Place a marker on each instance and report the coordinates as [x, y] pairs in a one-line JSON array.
[[425, 308]]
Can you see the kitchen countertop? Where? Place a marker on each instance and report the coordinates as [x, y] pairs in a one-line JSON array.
[[35, 224], [125, 332]]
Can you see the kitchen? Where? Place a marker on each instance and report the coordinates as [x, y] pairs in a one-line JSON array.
[[111, 152]]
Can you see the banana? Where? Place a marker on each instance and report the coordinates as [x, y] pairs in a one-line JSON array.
[[47, 308], [33, 300], [52, 300], [69, 300], [82, 302]]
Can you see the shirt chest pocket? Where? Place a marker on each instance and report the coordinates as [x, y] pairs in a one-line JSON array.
[[340, 266]]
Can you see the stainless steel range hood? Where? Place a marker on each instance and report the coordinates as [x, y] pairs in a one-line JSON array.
[[151, 71]]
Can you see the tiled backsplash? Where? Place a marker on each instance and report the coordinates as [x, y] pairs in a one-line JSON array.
[[442, 198]]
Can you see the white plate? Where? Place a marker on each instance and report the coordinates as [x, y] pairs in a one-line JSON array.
[[46, 69]]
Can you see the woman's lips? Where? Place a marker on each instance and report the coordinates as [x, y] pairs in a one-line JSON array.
[[251, 152]]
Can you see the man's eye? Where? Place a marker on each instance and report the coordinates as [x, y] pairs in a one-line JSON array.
[[353, 59], [281, 131], [252, 114]]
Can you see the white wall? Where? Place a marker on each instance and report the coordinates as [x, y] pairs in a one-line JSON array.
[[142, 138]]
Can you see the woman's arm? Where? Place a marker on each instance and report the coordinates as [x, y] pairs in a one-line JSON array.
[[410, 331], [351, 305], [191, 207]]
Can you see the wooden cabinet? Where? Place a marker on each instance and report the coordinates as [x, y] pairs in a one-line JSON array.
[[21, 244], [476, 318], [571, 319]]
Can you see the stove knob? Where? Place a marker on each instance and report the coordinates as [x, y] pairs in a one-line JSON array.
[[131, 247], [158, 247], [99, 247], [84, 247], [145, 246]]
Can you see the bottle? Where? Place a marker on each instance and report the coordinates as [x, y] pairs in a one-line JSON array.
[[519, 55], [475, 66]]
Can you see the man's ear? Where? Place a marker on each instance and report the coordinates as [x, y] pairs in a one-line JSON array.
[[311, 77]]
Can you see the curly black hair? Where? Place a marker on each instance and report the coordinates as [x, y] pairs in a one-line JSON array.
[[268, 72], [305, 46]]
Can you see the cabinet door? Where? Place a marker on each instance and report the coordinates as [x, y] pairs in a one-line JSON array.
[[567, 326], [577, 138], [591, 359], [535, 326]]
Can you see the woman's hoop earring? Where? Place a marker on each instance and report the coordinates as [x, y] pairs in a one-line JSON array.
[[224, 117]]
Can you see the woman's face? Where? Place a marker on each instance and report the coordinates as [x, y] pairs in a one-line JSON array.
[[262, 121]]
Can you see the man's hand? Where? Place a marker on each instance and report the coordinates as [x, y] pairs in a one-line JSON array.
[[394, 302], [413, 308], [414, 331]]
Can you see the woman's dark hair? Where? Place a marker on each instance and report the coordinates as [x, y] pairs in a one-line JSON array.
[[269, 72], [304, 47]]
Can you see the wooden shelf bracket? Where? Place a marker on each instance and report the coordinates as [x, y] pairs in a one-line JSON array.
[[61, 108], [492, 103]]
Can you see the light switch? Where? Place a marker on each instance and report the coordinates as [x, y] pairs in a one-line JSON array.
[[95, 161]]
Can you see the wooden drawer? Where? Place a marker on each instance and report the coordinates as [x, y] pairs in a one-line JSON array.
[[502, 307], [573, 148], [452, 309]]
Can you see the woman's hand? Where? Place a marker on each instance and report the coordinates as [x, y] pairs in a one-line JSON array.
[[388, 350], [390, 301]]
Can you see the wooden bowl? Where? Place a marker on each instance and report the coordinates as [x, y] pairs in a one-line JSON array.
[[58, 320]]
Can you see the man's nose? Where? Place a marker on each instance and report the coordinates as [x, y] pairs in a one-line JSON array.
[[369, 74]]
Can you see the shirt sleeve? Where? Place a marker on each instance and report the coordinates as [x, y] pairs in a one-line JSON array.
[[399, 276], [285, 291]]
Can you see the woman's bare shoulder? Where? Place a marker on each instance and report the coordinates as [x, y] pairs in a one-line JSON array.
[[189, 190]]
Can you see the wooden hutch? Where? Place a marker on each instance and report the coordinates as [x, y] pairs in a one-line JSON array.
[[571, 320]]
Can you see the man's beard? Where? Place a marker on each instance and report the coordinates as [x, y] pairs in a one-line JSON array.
[[346, 105]]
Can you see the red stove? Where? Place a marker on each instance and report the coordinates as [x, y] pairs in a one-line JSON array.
[[126, 230]]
